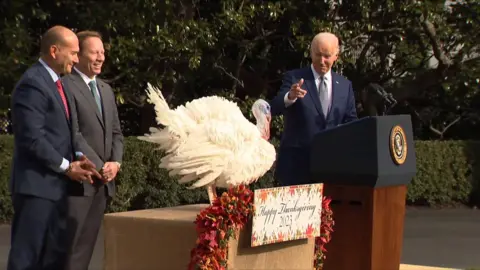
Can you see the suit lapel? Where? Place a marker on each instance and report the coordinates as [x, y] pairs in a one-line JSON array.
[[69, 98], [70, 101], [102, 89], [336, 94], [107, 101], [86, 92], [53, 87]]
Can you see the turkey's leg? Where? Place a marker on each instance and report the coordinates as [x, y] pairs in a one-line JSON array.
[[212, 193]]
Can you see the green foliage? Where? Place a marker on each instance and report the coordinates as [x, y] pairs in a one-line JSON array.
[[142, 184], [6, 153], [448, 174], [239, 49]]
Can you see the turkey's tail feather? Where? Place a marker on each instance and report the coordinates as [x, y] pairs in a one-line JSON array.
[[167, 141], [162, 109], [169, 138], [207, 179]]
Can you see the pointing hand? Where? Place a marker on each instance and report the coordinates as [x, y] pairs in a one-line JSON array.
[[296, 90]]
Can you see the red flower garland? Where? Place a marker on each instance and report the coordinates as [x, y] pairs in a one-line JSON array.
[[326, 229], [226, 216], [216, 224]]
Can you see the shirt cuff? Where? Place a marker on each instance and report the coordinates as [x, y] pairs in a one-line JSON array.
[[78, 154], [64, 165], [118, 164], [287, 101]]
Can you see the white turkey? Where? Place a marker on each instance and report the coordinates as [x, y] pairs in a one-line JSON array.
[[209, 142]]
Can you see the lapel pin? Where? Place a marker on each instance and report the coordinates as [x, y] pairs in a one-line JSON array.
[[336, 82]]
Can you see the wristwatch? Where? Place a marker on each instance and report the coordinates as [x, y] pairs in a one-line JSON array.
[[69, 168]]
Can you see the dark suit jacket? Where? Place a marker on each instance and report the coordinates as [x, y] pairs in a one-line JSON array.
[[304, 118], [99, 138], [43, 136]]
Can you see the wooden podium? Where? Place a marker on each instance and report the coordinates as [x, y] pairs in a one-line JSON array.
[[366, 166]]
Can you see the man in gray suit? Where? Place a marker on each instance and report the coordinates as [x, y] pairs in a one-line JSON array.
[[100, 139]]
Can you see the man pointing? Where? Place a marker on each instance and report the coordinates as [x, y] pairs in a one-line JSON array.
[[311, 99]]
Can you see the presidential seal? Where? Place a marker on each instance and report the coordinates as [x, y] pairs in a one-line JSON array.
[[398, 145]]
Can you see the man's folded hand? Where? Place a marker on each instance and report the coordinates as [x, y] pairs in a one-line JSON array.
[[83, 170]]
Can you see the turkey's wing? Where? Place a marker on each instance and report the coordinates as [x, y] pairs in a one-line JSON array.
[[215, 151]]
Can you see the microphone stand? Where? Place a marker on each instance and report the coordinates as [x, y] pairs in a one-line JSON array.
[[388, 100]]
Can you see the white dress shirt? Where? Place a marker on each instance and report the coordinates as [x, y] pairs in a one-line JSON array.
[[50, 70]]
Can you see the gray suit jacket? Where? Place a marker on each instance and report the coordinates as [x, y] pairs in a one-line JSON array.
[[99, 138]]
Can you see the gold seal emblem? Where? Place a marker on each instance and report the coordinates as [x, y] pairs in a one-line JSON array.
[[398, 145]]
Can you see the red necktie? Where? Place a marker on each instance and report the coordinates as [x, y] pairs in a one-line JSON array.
[[62, 95]]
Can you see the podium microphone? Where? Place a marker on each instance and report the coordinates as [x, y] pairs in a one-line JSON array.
[[388, 98]]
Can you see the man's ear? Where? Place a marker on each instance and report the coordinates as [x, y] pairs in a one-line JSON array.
[[53, 51]]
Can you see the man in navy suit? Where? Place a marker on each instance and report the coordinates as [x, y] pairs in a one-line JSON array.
[[311, 99], [43, 159]]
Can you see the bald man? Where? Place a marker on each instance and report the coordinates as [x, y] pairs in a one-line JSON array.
[[43, 159], [311, 99]]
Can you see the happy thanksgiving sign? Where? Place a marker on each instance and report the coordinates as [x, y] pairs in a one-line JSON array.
[[286, 213]]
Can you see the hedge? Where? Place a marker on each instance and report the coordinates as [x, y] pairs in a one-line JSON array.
[[448, 174]]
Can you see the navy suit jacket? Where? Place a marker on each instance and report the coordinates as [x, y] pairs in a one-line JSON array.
[[304, 118], [42, 136]]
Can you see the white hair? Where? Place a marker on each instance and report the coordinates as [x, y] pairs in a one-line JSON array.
[[325, 37]]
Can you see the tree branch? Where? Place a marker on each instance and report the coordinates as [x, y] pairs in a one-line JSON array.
[[398, 71], [441, 133], [388, 30], [240, 60], [421, 81], [429, 29], [361, 58], [116, 78], [133, 102], [240, 82], [361, 36], [471, 60], [452, 123], [291, 44], [241, 6]]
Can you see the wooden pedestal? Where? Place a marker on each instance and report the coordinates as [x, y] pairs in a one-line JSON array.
[[158, 239], [368, 231]]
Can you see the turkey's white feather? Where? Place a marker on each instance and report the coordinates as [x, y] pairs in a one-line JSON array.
[[209, 141]]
